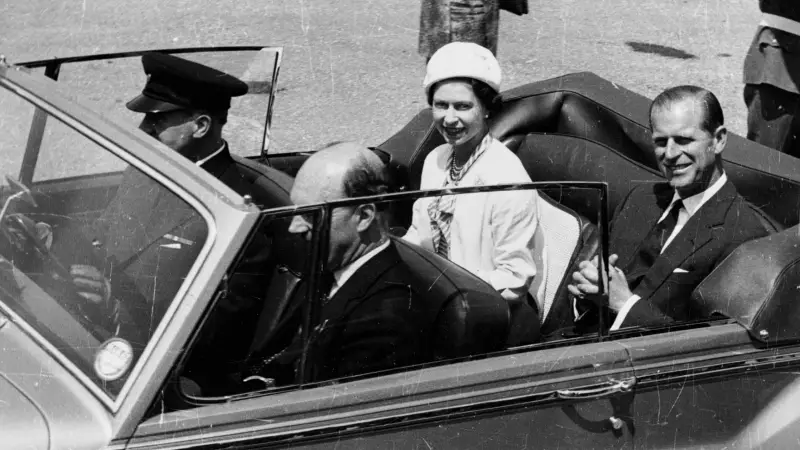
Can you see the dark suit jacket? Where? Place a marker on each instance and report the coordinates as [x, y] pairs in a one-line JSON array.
[[266, 192], [377, 320], [148, 240], [715, 230]]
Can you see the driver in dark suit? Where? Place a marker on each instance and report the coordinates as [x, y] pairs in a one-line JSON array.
[[147, 238], [667, 237]]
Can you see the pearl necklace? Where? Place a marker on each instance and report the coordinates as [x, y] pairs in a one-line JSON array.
[[456, 171]]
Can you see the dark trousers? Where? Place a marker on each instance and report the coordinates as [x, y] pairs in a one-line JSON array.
[[772, 117]]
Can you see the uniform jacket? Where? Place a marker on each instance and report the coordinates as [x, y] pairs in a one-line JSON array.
[[149, 238], [774, 55], [716, 229]]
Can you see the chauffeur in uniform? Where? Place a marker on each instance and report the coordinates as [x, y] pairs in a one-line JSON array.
[[669, 236], [772, 78], [146, 231]]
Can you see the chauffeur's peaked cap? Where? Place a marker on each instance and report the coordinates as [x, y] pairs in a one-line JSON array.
[[175, 83]]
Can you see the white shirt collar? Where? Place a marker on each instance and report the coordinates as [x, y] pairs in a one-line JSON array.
[[693, 203], [342, 275], [202, 161]]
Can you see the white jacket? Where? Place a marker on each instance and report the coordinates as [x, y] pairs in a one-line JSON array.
[[494, 235]]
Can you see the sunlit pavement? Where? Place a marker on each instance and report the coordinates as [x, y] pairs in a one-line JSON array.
[[351, 69]]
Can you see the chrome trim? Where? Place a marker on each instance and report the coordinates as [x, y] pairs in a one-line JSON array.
[[610, 387], [114, 404], [267, 139], [227, 437]]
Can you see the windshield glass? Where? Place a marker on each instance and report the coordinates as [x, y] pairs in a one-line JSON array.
[[78, 264], [111, 81]]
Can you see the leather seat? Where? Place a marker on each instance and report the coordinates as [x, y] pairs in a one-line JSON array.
[[757, 285], [570, 238], [271, 187], [473, 317]]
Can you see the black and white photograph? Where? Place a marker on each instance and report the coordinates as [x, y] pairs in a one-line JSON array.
[[422, 225]]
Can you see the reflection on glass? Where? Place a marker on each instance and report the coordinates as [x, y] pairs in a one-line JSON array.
[[93, 261]]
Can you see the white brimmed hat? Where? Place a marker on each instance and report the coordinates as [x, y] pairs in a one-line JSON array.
[[463, 60]]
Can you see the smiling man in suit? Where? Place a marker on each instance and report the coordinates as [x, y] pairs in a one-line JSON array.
[[666, 237]]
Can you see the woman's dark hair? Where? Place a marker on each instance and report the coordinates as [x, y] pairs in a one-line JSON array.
[[489, 98]]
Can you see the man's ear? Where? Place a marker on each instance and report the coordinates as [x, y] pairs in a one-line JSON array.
[[720, 139], [202, 126], [366, 215]]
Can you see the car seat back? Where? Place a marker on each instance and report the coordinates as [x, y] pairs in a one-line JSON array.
[[757, 285], [570, 239], [271, 187], [473, 317], [580, 127]]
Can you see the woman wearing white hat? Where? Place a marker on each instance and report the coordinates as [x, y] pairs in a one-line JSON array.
[[496, 235]]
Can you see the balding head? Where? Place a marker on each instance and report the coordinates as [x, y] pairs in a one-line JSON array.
[[339, 171]]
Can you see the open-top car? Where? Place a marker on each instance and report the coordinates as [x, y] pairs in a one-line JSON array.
[[222, 286]]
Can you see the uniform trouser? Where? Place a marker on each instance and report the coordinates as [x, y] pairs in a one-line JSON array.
[[773, 117]]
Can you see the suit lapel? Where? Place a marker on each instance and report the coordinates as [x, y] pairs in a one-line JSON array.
[[702, 227], [220, 164], [357, 286], [652, 207]]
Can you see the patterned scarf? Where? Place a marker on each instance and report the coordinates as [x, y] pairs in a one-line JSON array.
[[442, 208]]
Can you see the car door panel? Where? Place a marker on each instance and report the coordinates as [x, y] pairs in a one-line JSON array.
[[706, 387], [454, 406]]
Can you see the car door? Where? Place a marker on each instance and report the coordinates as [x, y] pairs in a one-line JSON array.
[[572, 392], [96, 369], [711, 385]]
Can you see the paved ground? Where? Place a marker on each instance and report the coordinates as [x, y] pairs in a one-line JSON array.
[[351, 69]]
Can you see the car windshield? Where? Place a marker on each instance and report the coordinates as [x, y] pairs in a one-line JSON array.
[[110, 81], [78, 268]]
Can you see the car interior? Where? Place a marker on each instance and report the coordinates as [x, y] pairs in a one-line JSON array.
[[581, 127], [570, 129]]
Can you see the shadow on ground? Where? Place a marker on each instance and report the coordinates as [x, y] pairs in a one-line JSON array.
[[662, 50]]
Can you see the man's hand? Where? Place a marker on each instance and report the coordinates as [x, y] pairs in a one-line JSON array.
[[587, 279], [91, 284]]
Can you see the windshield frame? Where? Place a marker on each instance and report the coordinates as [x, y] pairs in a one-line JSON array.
[[52, 69]]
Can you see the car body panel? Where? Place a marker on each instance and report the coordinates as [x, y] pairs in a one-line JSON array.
[[50, 404], [22, 420], [704, 387], [384, 403]]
